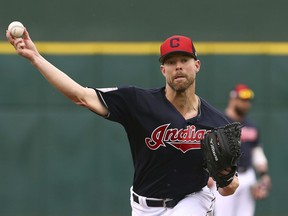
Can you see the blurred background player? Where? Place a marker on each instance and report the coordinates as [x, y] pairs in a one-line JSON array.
[[253, 163]]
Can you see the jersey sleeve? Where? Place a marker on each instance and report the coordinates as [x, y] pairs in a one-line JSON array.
[[119, 102]]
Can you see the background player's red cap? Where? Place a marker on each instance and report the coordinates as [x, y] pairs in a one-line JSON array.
[[242, 91], [177, 43]]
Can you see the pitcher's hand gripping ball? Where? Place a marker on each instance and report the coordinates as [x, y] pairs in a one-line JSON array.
[[16, 29], [221, 148]]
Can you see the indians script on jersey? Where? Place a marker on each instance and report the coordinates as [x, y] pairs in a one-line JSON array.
[[184, 140]]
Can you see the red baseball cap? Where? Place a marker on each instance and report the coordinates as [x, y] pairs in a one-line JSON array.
[[177, 43], [242, 91]]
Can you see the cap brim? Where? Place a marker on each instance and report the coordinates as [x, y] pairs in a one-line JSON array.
[[163, 58]]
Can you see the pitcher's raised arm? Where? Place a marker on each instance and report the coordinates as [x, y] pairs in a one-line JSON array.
[[80, 95]]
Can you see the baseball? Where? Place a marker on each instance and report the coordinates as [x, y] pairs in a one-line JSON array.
[[16, 29]]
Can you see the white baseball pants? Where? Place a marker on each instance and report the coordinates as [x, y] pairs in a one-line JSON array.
[[196, 204], [241, 202]]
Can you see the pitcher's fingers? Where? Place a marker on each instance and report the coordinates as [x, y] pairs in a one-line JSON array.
[[10, 38], [19, 44], [26, 34]]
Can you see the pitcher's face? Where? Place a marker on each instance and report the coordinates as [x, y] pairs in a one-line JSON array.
[[180, 71]]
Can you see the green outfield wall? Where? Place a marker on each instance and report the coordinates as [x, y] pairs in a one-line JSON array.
[[58, 159]]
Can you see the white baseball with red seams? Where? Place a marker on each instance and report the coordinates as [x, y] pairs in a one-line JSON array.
[[16, 29]]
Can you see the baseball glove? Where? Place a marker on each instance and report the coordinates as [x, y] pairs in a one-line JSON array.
[[221, 148]]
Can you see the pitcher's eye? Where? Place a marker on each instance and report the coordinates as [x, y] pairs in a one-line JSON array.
[[185, 59], [170, 62]]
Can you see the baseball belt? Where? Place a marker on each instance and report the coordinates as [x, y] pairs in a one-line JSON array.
[[166, 203]]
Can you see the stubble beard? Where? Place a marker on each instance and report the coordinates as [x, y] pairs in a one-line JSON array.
[[181, 87]]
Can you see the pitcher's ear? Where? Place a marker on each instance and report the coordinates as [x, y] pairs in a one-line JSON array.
[[162, 68]]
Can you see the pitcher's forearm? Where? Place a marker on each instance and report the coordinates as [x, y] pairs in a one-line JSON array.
[[231, 188], [59, 79]]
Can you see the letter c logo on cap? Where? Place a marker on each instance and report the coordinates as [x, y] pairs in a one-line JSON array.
[[174, 42]]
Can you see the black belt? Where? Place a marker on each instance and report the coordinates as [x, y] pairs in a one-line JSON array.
[[167, 203]]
